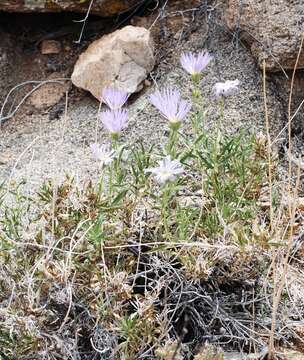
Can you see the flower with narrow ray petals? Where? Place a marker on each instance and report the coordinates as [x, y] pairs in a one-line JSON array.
[[194, 64], [167, 170], [169, 103], [227, 88], [114, 120], [102, 153], [114, 98]]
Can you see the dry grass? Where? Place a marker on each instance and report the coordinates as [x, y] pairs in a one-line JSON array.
[[116, 273], [111, 270]]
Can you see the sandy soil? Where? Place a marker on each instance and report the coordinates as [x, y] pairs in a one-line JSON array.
[[35, 148]]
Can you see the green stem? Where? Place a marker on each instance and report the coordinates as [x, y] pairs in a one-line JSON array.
[[198, 105], [115, 167], [100, 184], [195, 124], [111, 179], [218, 135], [173, 137], [197, 98], [115, 138], [165, 210], [222, 113]]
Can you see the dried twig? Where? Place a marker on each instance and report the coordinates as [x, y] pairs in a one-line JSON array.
[[278, 288], [4, 118]]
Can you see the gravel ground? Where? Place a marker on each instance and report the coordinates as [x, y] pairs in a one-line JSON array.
[[34, 148]]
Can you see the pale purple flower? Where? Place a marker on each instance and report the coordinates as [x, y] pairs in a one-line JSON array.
[[194, 64], [114, 98], [169, 103], [114, 120], [102, 153], [167, 170], [226, 88]]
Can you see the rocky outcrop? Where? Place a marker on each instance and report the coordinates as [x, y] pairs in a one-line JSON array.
[[99, 7], [273, 29], [8, 56], [122, 59]]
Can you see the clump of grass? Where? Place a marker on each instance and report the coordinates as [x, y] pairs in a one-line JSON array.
[[167, 252]]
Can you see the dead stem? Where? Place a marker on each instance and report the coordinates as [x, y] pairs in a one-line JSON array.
[[292, 195]]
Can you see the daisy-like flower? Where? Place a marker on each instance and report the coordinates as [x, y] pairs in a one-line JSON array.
[[194, 64], [114, 98], [114, 120], [102, 153], [167, 170], [227, 88], [169, 103]]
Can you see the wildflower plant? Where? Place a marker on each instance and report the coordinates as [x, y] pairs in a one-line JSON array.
[[175, 109], [119, 258], [222, 90], [114, 121], [114, 98], [227, 88], [167, 170], [169, 102], [102, 153], [195, 64]]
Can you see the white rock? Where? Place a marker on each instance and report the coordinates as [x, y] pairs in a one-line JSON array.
[[123, 59]]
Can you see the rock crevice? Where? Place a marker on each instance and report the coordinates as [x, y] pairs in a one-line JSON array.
[[272, 29], [99, 7]]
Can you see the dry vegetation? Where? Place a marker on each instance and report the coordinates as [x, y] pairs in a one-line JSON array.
[[129, 269], [126, 268]]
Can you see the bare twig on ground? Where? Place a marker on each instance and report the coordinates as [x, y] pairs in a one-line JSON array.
[[4, 118]]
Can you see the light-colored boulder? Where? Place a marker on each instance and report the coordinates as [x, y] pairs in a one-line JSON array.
[[122, 59], [273, 29]]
